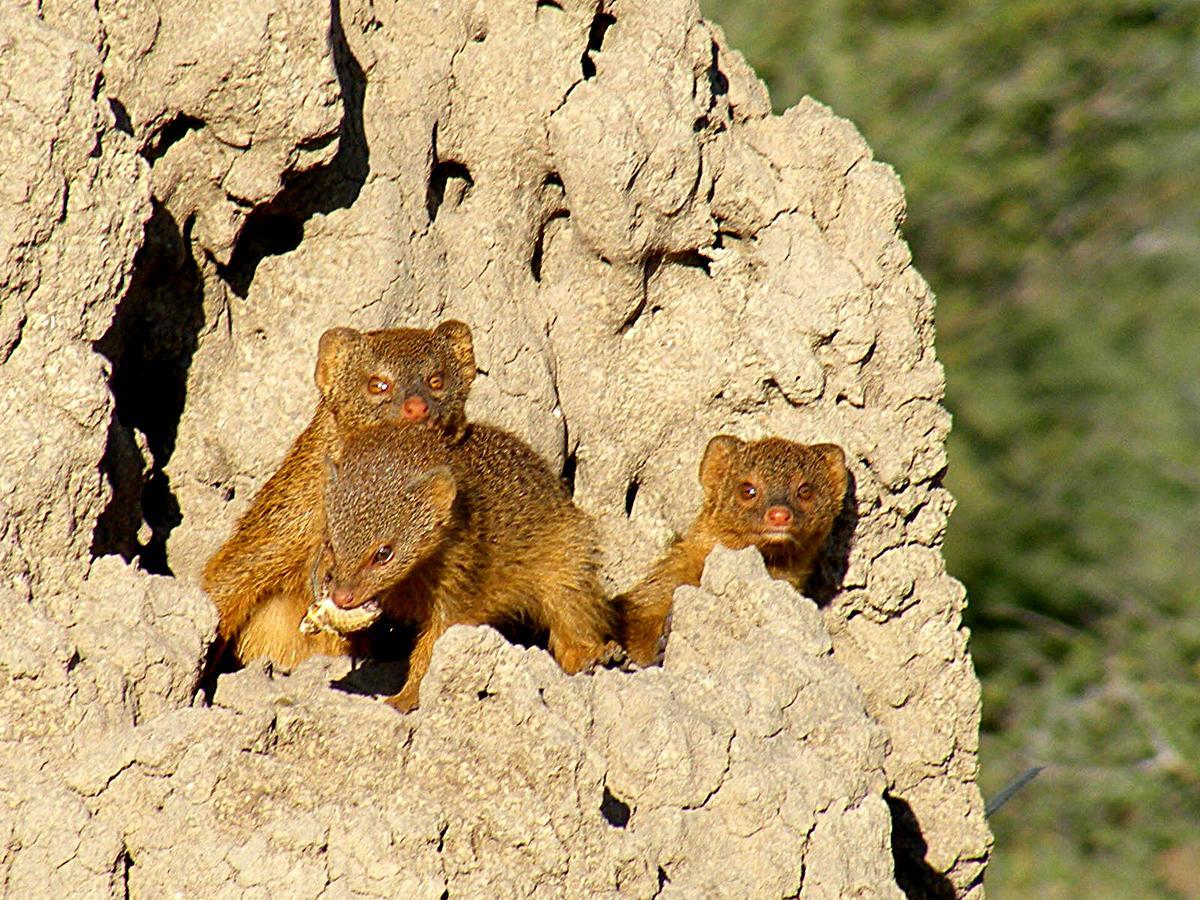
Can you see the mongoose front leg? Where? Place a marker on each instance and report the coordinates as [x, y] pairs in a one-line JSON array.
[[644, 615], [580, 621], [418, 663], [406, 701], [235, 588], [241, 577]]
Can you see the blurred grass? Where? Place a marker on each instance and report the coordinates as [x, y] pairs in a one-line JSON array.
[[1051, 156]]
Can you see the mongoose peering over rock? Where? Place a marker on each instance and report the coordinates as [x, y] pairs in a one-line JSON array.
[[260, 578], [776, 495], [472, 531]]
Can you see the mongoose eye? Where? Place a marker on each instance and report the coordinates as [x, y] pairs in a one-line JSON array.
[[747, 491], [382, 555], [378, 385], [435, 381], [804, 492]]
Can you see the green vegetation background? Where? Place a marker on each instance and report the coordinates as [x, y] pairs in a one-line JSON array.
[[1051, 155]]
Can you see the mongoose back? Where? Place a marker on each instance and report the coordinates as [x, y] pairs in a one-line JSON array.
[[259, 579], [776, 495], [472, 532]]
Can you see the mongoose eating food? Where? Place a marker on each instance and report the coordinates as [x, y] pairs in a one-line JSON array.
[[776, 495], [325, 615], [473, 531], [259, 579]]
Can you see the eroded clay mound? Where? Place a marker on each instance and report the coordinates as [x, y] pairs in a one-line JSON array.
[[747, 764], [647, 257]]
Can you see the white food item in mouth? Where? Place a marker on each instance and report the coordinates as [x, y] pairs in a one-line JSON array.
[[325, 615]]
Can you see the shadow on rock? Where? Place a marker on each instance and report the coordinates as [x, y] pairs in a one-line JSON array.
[[826, 579], [277, 227], [918, 879], [384, 670], [153, 337]]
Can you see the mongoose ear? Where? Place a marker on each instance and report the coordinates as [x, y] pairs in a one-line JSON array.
[[457, 336], [437, 488], [718, 456], [835, 461], [335, 346]]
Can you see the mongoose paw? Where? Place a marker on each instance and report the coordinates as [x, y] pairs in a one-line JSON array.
[[645, 652], [612, 656], [405, 701]]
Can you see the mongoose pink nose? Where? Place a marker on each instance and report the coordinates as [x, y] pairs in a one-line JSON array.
[[342, 597], [779, 516], [415, 408]]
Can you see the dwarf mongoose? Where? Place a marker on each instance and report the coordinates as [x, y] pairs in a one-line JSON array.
[[776, 495], [470, 531]]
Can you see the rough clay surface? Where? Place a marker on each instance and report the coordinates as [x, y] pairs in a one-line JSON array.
[[647, 257]]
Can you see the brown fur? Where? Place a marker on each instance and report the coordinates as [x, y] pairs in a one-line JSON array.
[[777, 470], [260, 578], [477, 531]]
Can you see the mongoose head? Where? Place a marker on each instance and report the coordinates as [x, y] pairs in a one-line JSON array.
[[385, 514], [397, 375], [777, 495]]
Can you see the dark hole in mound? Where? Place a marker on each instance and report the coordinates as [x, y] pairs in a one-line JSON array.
[[449, 183], [915, 876], [834, 559], [615, 812], [384, 669], [539, 246], [277, 227], [718, 83], [600, 25], [267, 232], [693, 259], [168, 136], [387, 645], [121, 114], [631, 493], [568, 472]]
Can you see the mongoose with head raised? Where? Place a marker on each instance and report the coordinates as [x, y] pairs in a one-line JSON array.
[[260, 577], [397, 376], [473, 531], [776, 495]]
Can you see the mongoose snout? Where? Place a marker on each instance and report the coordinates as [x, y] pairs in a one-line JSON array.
[[779, 517], [415, 409], [343, 597]]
